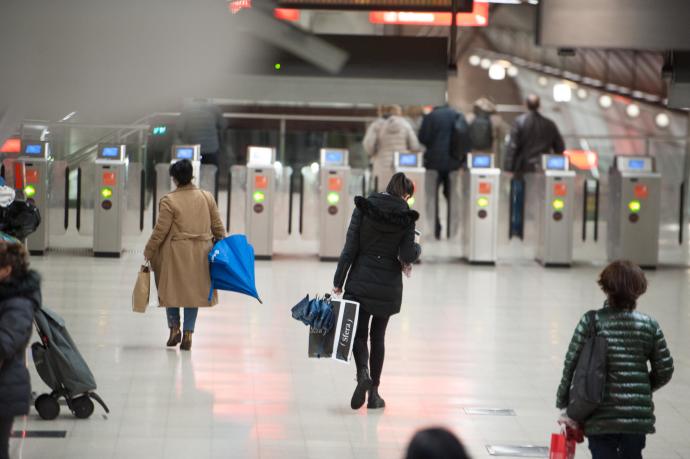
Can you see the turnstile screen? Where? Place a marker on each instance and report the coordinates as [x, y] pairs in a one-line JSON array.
[[481, 161], [408, 160], [184, 153], [636, 164], [110, 152], [260, 156], [556, 163], [33, 149], [335, 157]]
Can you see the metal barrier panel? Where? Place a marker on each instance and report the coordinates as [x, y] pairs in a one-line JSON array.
[[356, 187], [309, 219], [133, 218], [208, 179], [85, 185], [237, 196], [282, 214], [58, 201]]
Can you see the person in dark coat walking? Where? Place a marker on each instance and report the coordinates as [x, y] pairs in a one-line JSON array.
[[203, 123], [20, 293], [638, 363], [436, 133], [380, 240]]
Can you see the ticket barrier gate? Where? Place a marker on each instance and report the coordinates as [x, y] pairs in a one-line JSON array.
[[260, 200], [111, 200], [32, 178], [333, 203], [412, 166], [191, 153], [634, 210], [556, 189], [481, 183]]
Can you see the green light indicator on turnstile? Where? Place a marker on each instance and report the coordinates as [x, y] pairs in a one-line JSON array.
[[634, 206], [411, 201], [30, 191], [333, 198], [259, 196], [277, 66], [483, 201], [106, 192], [558, 204]]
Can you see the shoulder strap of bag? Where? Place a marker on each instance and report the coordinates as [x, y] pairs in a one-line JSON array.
[[592, 320]]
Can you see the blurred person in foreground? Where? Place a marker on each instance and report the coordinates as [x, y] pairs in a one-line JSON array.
[[435, 443]]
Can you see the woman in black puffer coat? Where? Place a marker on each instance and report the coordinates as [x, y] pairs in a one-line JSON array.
[[380, 239], [20, 293]]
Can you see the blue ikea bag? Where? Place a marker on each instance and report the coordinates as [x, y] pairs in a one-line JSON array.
[[232, 266]]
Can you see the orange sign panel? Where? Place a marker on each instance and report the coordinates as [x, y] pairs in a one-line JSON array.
[[32, 176], [260, 182], [335, 184], [560, 189], [109, 178], [641, 191], [484, 187]]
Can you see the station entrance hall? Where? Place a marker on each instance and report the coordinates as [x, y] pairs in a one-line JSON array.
[[344, 229]]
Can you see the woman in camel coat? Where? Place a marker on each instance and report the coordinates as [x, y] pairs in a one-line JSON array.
[[188, 223]]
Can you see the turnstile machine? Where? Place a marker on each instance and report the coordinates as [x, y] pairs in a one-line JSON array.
[[480, 195], [634, 210], [412, 166], [333, 203], [556, 189], [260, 200], [193, 154], [110, 201], [32, 177]]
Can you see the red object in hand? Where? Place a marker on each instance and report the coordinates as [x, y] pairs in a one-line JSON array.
[[562, 447]]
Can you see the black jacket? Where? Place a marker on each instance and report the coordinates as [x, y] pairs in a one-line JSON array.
[[18, 298], [381, 233], [436, 134], [532, 135]]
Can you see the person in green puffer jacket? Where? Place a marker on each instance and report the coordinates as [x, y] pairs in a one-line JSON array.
[[618, 427]]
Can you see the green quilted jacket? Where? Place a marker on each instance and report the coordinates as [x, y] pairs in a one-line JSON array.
[[634, 339]]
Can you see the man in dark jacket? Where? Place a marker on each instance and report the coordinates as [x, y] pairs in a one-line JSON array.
[[19, 295], [380, 239], [436, 133], [532, 136], [202, 123]]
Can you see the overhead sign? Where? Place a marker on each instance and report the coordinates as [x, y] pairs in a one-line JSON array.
[[378, 5], [478, 17]]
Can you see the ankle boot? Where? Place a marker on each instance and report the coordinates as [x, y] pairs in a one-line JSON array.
[[375, 400], [175, 336], [186, 341], [363, 385]]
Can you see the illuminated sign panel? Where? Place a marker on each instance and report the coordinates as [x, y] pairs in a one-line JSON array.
[[464, 6], [478, 17]]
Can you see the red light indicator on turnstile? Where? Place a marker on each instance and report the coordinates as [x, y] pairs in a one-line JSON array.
[[109, 178], [335, 184], [484, 187], [18, 176], [261, 182], [560, 189], [32, 176], [641, 191]]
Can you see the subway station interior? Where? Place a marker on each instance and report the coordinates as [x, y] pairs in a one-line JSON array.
[[98, 99]]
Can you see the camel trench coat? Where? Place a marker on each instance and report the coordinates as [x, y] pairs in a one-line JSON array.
[[188, 222]]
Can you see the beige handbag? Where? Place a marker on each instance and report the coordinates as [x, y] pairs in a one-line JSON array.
[[142, 289]]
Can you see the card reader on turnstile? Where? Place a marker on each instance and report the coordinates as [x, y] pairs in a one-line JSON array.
[[412, 166], [634, 209], [32, 177], [334, 201], [110, 201], [261, 190], [480, 194], [556, 188], [191, 153]]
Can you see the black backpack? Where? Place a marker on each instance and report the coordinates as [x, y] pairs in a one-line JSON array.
[[460, 141], [19, 219], [481, 133], [589, 379]]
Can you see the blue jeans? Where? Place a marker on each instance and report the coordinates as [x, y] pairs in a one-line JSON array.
[[190, 314], [617, 446]]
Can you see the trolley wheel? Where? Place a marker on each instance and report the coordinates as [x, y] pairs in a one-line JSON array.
[[82, 407], [47, 406]]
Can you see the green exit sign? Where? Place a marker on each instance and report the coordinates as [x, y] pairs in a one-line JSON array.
[[160, 130]]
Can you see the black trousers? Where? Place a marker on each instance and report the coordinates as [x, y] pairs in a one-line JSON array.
[[442, 181], [617, 446], [5, 431], [377, 335]]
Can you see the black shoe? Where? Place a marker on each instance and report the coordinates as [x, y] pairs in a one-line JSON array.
[[175, 337], [359, 396], [375, 400]]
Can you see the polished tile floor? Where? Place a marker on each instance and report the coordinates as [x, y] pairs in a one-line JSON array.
[[467, 337]]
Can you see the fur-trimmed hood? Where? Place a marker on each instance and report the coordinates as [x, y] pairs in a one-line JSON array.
[[387, 210], [27, 286]]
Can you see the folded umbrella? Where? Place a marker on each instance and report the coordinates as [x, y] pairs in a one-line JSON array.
[[232, 266]]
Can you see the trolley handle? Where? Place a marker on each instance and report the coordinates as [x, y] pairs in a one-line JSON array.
[[681, 213]]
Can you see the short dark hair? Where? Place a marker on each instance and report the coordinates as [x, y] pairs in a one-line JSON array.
[[623, 282], [182, 171], [435, 443], [14, 255], [400, 186], [533, 102]]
